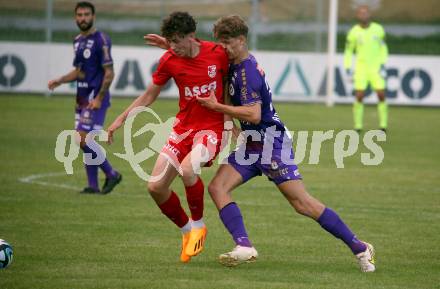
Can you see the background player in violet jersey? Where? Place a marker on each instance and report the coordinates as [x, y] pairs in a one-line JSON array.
[[197, 67], [94, 73], [271, 144]]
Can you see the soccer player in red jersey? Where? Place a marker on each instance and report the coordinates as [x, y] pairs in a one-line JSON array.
[[197, 67]]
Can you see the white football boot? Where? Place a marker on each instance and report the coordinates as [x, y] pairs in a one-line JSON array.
[[366, 259], [238, 256]]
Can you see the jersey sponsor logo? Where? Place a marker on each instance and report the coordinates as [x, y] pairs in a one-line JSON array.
[[278, 173], [243, 94], [243, 76], [212, 71], [82, 84], [90, 43], [194, 91], [172, 149], [87, 53]]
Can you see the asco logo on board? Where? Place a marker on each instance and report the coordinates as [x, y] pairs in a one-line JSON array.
[[12, 70], [413, 83]]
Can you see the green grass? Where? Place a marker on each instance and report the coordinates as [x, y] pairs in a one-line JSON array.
[[62, 239]]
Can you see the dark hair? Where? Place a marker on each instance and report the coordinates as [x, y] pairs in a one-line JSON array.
[[230, 27], [85, 4], [178, 24]]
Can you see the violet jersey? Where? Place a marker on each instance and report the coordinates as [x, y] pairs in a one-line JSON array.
[[247, 85], [92, 52]]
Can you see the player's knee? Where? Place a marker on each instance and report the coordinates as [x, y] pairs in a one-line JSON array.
[[308, 206], [186, 168], [214, 189], [155, 188], [299, 207], [188, 175]]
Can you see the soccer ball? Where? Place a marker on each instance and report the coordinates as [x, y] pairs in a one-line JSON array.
[[5, 254]]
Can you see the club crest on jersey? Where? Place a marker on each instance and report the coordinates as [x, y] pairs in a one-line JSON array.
[[87, 53], [212, 71], [231, 89]]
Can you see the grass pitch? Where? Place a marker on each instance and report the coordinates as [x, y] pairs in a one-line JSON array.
[[62, 239]]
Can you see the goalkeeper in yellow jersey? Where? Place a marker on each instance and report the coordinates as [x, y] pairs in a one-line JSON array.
[[367, 40]]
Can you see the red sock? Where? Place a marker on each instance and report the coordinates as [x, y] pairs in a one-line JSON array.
[[194, 196], [174, 211]]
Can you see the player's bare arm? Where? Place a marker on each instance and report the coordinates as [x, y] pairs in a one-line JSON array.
[[145, 99], [227, 100], [156, 40], [105, 86], [250, 113], [69, 77]]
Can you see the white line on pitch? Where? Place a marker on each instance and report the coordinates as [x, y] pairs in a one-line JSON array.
[[34, 179]]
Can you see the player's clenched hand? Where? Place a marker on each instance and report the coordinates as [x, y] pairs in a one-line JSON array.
[[209, 102], [112, 128], [156, 40], [94, 104], [54, 83]]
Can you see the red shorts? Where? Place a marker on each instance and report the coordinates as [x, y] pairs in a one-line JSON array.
[[179, 146]]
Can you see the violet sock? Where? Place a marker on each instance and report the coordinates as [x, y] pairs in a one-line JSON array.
[[333, 224], [233, 221], [105, 166], [91, 171], [108, 169]]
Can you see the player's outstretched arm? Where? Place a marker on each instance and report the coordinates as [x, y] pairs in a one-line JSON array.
[[145, 99], [250, 113], [69, 77], [156, 40]]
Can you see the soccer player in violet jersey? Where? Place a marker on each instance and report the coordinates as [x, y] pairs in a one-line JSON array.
[[94, 73], [271, 149], [197, 67], [367, 40]]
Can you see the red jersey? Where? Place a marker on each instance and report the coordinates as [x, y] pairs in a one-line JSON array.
[[195, 77]]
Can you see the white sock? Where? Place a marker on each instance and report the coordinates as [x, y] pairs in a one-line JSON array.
[[187, 228], [198, 224]]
